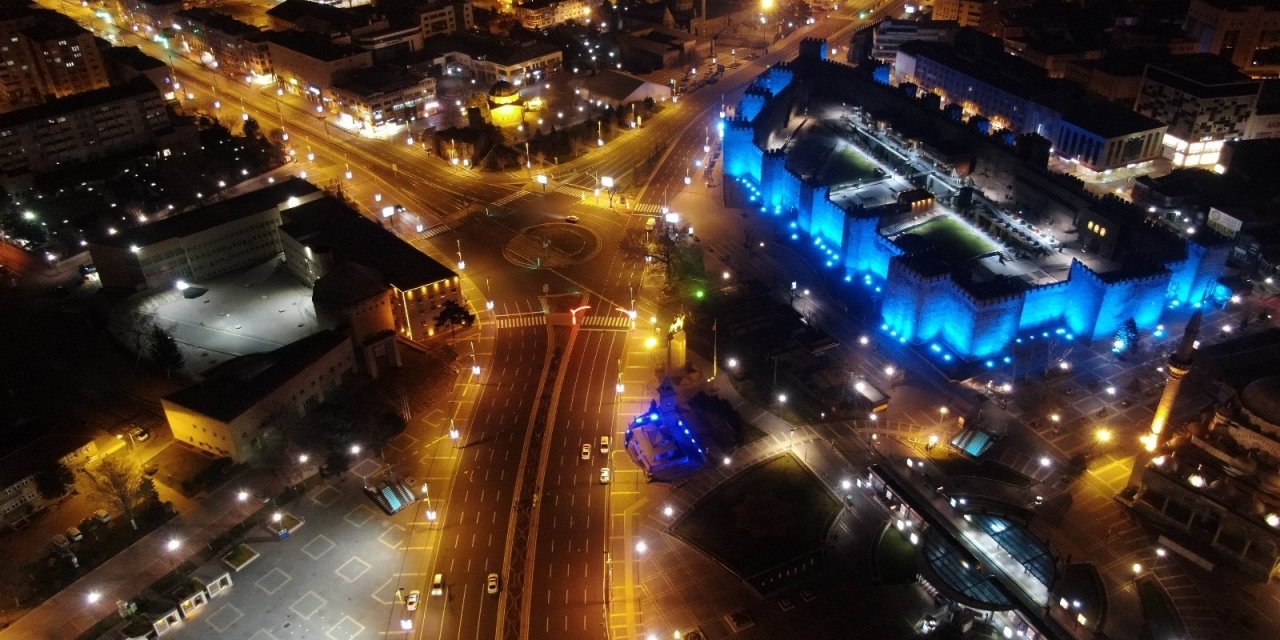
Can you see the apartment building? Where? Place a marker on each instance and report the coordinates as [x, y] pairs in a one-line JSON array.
[[489, 59], [1237, 30], [966, 13], [446, 17], [384, 94], [45, 55], [82, 127], [221, 42], [544, 14]]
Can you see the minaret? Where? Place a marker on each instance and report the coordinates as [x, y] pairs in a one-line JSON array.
[[1179, 366]]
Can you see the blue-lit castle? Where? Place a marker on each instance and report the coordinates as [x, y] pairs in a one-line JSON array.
[[884, 199]]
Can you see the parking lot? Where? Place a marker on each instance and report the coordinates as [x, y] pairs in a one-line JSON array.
[[335, 577]]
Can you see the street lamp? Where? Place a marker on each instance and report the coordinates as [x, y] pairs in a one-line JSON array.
[[1103, 435], [942, 415], [462, 264], [355, 449], [93, 597]]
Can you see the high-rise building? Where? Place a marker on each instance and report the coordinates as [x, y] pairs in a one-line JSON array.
[[1204, 100], [45, 55]]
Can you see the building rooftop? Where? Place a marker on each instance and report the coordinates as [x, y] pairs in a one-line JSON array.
[[503, 51], [379, 79], [312, 45], [1202, 75], [219, 22], [207, 217], [1007, 73], [134, 57], [139, 86], [29, 447], [295, 11], [613, 84], [234, 386], [1109, 119], [51, 25], [327, 224]]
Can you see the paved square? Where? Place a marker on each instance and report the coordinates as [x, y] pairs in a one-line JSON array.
[[360, 515], [393, 537], [366, 468], [318, 546], [272, 582], [262, 634], [308, 605], [352, 569], [324, 496], [224, 617], [402, 441], [346, 629]]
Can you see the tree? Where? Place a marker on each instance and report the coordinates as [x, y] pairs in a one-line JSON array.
[[164, 350], [119, 483], [453, 314], [147, 493], [54, 480], [1128, 340]]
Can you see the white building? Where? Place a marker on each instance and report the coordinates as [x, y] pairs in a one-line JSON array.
[[544, 14], [200, 244]]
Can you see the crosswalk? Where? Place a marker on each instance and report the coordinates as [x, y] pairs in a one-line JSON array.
[[648, 207], [433, 231], [607, 322], [510, 197], [523, 320], [577, 192]]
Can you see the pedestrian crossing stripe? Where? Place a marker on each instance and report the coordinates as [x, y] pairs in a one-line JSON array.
[[433, 231], [648, 207], [528, 320], [606, 322], [577, 192], [510, 197]]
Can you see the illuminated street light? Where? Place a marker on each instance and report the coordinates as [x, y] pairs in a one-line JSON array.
[[1161, 552], [846, 484], [173, 544], [355, 449], [1272, 520], [1045, 461], [277, 517], [668, 511], [732, 363], [93, 597], [1103, 435], [302, 458], [782, 398], [727, 461], [1137, 568], [242, 495], [641, 547]]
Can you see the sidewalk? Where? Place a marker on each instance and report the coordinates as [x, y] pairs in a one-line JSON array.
[[68, 613]]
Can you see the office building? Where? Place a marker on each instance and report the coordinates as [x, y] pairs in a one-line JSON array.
[[308, 64], [1238, 31], [890, 34], [384, 94], [489, 59], [965, 13], [446, 17], [1204, 100], [544, 14]]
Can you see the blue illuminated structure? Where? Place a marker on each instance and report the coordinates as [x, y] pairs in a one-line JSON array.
[[926, 300]]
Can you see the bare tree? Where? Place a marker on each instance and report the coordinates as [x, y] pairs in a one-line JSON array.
[[118, 482]]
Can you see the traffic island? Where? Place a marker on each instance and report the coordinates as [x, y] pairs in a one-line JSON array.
[[768, 524]]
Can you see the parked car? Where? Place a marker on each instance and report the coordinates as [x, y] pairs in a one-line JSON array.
[[139, 434], [102, 515], [60, 541], [73, 534]]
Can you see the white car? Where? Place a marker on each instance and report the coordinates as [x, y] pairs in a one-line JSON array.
[[102, 515], [73, 534], [411, 603], [605, 475], [437, 584], [491, 584], [586, 451], [604, 445]]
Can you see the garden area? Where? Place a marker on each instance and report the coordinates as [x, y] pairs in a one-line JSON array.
[[773, 514], [895, 558], [953, 240]]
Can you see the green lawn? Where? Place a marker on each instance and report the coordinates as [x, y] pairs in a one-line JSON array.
[[767, 515], [1160, 618], [895, 558], [954, 240], [848, 165]]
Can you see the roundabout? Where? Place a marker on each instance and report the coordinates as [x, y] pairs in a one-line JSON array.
[[552, 245]]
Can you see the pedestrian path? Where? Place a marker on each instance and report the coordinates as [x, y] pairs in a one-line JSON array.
[[618, 323], [510, 197], [522, 320], [432, 232], [648, 207], [577, 192]]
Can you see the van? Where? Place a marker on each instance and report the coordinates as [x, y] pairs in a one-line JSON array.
[[604, 445], [437, 585]]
